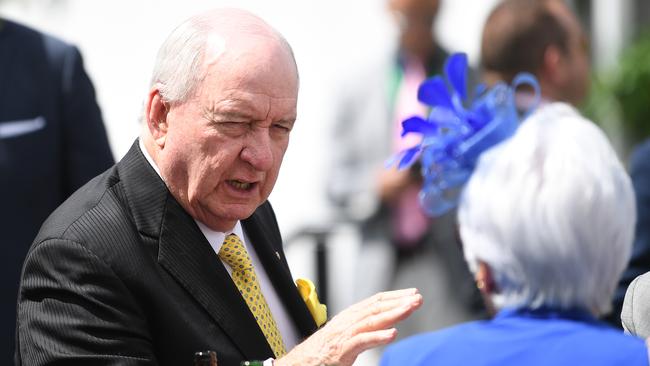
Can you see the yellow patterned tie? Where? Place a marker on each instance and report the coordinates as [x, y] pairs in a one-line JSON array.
[[234, 254]]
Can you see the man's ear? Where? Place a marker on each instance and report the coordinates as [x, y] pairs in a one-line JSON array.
[[552, 68], [155, 114]]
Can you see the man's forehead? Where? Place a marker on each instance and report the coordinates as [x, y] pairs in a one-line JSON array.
[[251, 68], [229, 28], [245, 104], [235, 50], [215, 46], [253, 63]]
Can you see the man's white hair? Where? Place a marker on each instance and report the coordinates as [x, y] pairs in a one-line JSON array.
[[551, 211], [180, 63]]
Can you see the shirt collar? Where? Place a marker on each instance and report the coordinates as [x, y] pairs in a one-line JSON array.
[[216, 238], [148, 158]]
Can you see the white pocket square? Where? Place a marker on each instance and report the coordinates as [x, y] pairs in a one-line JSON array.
[[21, 127]]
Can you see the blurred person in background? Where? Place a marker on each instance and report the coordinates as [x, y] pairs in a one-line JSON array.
[[547, 222], [542, 37], [52, 141], [399, 243]]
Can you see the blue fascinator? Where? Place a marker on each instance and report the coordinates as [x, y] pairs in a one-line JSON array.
[[457, 131]]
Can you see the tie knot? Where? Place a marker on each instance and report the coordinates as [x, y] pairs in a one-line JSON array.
[[234, 254]]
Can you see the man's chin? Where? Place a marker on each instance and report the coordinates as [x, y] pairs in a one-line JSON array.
[[230, 214]]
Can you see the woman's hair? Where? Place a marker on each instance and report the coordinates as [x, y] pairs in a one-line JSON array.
[[551, 211]]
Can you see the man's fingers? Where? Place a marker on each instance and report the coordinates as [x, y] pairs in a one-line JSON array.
[[364, 341], [386, 296], [383, 303], [367, 324], [389, 316], [371, 331], [386, 305]]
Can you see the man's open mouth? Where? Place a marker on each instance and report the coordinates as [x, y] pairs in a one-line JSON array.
[[237, 184]]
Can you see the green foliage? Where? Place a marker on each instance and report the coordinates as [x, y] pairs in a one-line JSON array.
[[632, 89], [603, 108], [621, 97]]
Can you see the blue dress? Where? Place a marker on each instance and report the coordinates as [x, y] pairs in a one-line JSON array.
[[522, 337]]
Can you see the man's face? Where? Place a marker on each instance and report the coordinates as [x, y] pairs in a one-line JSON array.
[[224, 146]]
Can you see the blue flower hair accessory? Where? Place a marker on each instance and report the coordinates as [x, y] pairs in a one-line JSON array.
[[453, 135]]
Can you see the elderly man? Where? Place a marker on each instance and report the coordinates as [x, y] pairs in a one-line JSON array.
[[175, 249]]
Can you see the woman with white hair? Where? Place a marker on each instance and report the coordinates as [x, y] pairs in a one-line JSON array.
[[546, 220]]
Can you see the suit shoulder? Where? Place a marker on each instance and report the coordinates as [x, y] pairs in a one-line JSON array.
[[80, 207], [19, 31], [98, 218], [30, 38]]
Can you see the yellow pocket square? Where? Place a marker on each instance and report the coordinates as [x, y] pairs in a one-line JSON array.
[[308, 293]]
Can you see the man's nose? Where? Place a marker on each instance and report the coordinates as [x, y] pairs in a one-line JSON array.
[[258, 150]]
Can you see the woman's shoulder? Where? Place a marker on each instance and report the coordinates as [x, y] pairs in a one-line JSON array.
[[520, 341], [419, 349]]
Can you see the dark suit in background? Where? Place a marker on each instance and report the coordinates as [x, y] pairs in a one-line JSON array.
[[124, 256], [52, 141]]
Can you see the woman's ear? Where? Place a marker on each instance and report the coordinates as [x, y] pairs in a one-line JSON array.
[[155, 115], [486, 285]]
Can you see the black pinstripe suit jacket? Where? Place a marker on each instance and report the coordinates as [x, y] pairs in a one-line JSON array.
[[121, 275]]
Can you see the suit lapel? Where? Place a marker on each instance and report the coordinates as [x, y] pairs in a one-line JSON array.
[[272, 257], [187, 256]]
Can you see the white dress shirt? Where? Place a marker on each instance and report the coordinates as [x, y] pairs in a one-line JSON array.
[[216, 238]]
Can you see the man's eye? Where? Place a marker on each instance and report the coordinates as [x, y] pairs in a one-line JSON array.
[[282, 128], [232, 126]]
